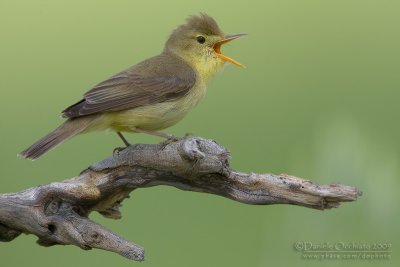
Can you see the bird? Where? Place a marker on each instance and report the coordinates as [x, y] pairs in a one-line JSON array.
[[151, 95]]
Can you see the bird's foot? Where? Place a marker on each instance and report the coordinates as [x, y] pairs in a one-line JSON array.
[[171, 139], [187, 135], [118, 150]]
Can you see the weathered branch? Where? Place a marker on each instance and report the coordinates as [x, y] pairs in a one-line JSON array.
[[58, 212]]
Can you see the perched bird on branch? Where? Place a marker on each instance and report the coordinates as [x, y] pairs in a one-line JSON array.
[[152, 95]]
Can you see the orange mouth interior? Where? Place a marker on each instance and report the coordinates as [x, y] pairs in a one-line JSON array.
[[217, 49]]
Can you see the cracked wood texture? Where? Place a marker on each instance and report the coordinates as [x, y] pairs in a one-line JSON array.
[[58, 212]]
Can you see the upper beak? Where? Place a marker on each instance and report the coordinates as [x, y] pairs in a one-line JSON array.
[[217, 48]]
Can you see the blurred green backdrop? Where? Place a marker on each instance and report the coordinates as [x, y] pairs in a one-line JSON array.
[[319, 99]]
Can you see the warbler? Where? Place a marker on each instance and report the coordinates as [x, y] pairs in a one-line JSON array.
[[151, 95]]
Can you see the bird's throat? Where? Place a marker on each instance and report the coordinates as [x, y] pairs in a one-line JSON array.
[[205, 65]]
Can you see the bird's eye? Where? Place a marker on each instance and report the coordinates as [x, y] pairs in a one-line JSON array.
[[200, 39]]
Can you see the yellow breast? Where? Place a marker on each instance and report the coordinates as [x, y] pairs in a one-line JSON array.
[[154, 117]]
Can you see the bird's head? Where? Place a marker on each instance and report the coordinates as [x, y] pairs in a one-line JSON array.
[[199, 42]]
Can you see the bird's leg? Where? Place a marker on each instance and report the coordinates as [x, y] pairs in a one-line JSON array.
[[157, 133], [123, 139], [170, 138], [119, 149]]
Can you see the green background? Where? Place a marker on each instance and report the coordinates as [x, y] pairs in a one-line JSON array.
[[319, 99]]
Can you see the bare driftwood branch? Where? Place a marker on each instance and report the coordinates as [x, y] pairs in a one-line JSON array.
[[58, 212]]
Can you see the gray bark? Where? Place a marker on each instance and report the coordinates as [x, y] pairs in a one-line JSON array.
[[58, 212]]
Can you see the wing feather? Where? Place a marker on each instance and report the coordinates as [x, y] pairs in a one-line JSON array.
[[159, 79]]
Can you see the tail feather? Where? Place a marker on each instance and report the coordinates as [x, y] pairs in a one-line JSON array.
[[68, 129]]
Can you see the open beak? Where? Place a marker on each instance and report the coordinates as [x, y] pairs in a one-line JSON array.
[[217, 48]]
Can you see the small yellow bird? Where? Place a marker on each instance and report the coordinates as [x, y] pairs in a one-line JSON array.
[[152, 95]]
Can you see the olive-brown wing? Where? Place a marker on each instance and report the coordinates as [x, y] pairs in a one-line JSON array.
[[130, 89]]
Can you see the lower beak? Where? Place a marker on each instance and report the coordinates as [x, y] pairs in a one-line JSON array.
[[217, 48]]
